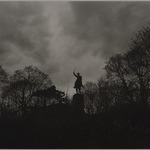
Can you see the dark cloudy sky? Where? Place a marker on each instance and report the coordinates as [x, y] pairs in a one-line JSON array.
[[57, 36]]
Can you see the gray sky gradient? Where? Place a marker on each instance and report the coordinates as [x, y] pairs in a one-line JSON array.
[[57, 36]]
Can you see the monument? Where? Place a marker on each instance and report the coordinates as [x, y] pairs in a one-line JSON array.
[[78, 98], [78, 83]]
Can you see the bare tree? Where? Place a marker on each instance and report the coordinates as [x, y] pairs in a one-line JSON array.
[[117, 70], [4, 106], [23, 84], [138, 62], [133, 68], [91, 95], [3, 75]]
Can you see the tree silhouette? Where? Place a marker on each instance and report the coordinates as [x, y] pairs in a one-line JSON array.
[[4, 106], [91, 97], [132, 69], [3, 76], [138, 63], [22, 85], [116, 69], [45, 95]]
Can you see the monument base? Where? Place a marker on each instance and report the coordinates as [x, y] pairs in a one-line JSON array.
[[78, 103]]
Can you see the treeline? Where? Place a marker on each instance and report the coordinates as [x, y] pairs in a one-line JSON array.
[[127, 78], [25, 90]]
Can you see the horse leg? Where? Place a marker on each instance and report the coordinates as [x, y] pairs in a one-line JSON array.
[[76, 90], [79, 89]]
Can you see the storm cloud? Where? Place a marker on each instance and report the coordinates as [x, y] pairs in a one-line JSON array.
[[58, 36]]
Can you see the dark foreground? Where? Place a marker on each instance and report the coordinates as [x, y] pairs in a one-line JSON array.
[[125, 128]]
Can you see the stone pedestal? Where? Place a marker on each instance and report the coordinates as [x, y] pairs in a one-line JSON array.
[[78, 103]]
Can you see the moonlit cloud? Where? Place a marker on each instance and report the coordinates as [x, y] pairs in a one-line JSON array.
[[58, 36]]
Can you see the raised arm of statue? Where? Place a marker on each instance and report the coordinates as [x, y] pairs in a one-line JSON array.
[[74, 74]]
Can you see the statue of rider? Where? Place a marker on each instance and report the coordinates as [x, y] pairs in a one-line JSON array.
[[78, 83]]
